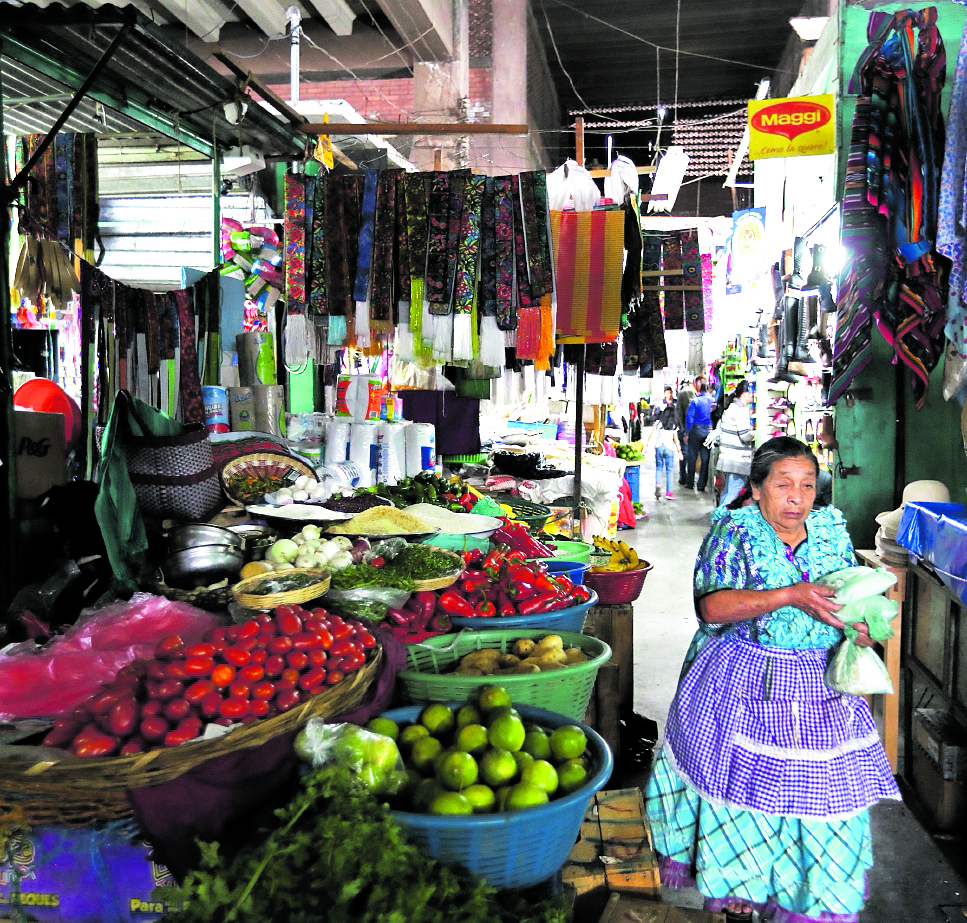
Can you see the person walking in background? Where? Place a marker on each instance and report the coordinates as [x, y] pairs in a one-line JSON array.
[[667, 447], [685, 395], [736, 439], [698, 424]]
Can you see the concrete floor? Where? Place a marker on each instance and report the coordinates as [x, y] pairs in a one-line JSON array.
[[916, 877]]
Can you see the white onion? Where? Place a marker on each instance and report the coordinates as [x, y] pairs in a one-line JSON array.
[[341, 561], [307, 560], [311, 532], [299, 496], [283, 492], [302, 482]]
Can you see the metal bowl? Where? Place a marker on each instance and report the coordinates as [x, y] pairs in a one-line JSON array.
[[194, 534], [202, 566]]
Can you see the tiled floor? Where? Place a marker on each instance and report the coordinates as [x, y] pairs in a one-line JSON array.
[[915, 874]]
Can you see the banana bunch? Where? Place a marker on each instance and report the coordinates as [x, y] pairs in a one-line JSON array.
[[622, 557]]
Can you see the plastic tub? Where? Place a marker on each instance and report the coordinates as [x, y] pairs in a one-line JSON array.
[[575, 570], [516, 849], [566, 692], [619, 587], [570, 619]]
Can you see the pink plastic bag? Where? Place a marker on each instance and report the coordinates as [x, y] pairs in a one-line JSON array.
[[44, 682]]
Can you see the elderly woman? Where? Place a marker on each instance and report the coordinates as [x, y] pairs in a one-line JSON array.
[[760, 796]]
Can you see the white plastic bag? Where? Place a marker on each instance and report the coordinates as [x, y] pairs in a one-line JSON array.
[[856, 670]]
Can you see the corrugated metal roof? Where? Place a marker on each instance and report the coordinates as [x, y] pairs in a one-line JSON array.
[[149, 81]]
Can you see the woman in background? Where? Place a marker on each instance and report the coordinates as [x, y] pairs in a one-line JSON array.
[[736, 439], [667, 446]]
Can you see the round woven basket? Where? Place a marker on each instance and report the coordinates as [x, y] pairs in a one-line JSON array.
[[261, 464], [441, 583], [615, 588], [59, 789], [214, 600], [244, 597]]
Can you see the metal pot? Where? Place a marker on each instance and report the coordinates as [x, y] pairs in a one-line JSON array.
[[201, 566], [257, 538], [193, 534]]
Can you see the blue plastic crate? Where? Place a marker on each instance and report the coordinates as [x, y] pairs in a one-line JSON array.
[[633, 477]]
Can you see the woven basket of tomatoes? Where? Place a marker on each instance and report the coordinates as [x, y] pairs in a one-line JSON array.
[[241, 686]]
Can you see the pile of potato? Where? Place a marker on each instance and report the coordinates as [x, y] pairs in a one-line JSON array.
[[526, 656]]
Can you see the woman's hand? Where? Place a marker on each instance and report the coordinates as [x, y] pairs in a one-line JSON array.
[[817, 601], [862, 638]]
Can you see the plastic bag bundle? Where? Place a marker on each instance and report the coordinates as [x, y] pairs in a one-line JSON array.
[[857, 670]]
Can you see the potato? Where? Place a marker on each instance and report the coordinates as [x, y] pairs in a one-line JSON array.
[[552, 665], [551, 656], [485, 660], [523, 646], [468, 671], [534, 660], [525, 667], [575, 655], [508, 660], [550, 642]]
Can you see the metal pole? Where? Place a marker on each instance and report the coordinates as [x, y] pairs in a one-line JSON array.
[[295, 30], [578, 435]]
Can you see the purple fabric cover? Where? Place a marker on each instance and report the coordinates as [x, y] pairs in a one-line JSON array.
[[457, 419], [229, 798]]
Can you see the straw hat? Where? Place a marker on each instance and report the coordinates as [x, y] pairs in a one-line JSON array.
[[917, 492]]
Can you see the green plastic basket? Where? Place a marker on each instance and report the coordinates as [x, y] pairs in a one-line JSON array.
[[570, 551], [534, 514], [479, 458], [566, 691]]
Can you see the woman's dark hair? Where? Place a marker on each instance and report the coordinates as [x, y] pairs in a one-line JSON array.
[[775, 450]]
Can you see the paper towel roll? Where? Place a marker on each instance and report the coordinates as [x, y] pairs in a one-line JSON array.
[[364, 451], [420, 448], [392, 453], [269, 405], [241, 409], [256, 358], [337, 436]]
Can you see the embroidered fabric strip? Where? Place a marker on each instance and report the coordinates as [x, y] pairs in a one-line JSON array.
[[367, 227], [336, 248], [671, 258], [466, 280], [384, 236], [458, 184], [353, 185], [295, 240], [63, 148], [192, 405], [539, 284], [152, 330], [487, 288], [318, 303], [522, 279], [438, 210], [540, 200], [402, 242], [417, 222], [506, 310]]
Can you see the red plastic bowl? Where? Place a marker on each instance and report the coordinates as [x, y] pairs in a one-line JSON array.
[[618, 587], [47, 396]]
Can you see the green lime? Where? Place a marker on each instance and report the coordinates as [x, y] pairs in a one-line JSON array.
[[482, 798], [468, 714], [498, 767], [424, 752], [438, 719], [410, 735], [571, 775], [568, 742], [472, 738], [542, 774], [525, 795], [491, 696], [537, 744], [385, 726], [451, 803], [459, 770], [506, 732]]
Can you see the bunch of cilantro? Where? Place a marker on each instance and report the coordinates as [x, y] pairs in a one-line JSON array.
[[338, 855]]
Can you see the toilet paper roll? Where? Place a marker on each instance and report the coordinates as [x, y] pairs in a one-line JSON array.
[[420, 448], [392, 453], [269, 408], [241, 409], [364, 451], [337, 436], [256, 358]]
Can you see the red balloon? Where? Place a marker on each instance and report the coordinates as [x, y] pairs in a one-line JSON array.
[[47, 396]]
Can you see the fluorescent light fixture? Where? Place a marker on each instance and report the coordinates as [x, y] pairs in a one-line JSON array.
[[242, 161], [809, 28], [668, 179], [337, 14]]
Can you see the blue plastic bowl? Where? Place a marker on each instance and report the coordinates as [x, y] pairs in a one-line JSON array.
[[517, 849], [570, 619], [575, 570]]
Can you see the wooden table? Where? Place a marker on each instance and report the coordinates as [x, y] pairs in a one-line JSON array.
[[891, 653]]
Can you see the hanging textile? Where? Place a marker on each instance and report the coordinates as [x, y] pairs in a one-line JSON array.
[[487, 297], [504, 232], [671, 261], [402, 266], [692, 275], [438, 211], [295, 242], [588, 254], [523, 284], [894, 273], [316, 257]]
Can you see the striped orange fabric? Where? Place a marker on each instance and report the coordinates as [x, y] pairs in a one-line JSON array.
[[588, 258]]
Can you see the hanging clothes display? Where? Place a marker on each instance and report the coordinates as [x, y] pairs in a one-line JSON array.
[[895, 276]]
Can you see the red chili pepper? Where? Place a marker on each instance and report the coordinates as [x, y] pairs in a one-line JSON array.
[[492, 563], [517, 556], [563, 601], [485, 609], [582, 593], [536, 604], [467, 501], [505, 606], [520, 587], [453, 603], [474, 556], [545, 583], [564, 582], [473, 585]]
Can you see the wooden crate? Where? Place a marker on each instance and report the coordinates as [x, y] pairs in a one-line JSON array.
[[615, 626], [624, 909], [614, 851]]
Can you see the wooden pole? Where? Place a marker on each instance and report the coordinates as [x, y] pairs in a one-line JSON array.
[[579, 140], [578, 436], [438, 159]]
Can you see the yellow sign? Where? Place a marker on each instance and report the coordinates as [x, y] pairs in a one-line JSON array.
[[802, 126]]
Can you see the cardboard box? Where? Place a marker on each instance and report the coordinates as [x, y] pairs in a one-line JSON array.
[[944, 741], [623, 909], [614, 850], [944, 799], [40, 451]]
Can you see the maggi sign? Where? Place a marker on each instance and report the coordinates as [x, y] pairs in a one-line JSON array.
[[799, 127]]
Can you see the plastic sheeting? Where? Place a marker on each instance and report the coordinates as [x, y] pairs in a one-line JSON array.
[[937, 533]]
